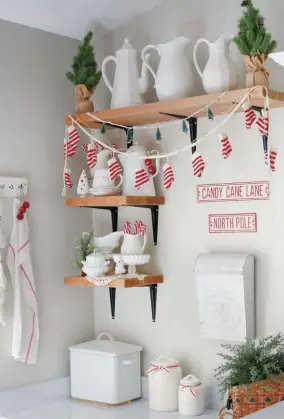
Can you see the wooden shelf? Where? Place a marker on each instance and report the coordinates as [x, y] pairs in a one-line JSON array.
[[118, 283], [150, 113], [115, 201]]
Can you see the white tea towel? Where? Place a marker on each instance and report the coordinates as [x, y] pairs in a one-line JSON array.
[[25, 323]]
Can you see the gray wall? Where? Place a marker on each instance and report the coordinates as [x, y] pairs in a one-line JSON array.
[[183, 224], [35, 96]]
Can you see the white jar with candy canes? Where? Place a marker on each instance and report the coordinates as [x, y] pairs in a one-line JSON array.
[[164, 376], [191, 398]]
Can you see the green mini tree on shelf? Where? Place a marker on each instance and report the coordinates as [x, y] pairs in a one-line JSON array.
[[84, 65], [85, 246], [255, 43]]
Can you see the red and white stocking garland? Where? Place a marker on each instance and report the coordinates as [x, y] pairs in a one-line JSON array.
[[141, 178], [115, 169], [226, 145], [198, 165], [67, 178], [168, 175], [71, 142], [250, 115]]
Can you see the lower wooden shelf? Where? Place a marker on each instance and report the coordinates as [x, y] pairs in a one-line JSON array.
[[150, 281], [118, 283]]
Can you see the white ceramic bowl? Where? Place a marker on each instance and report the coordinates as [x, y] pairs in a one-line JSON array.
[[108, 243]]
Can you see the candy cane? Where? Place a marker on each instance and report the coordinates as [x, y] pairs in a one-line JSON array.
[[142, 229], [136, 227], [127, 227]]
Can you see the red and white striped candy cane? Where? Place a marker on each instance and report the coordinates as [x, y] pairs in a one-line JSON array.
[[142, 229], [263, 122], [250, 115], [226, 145], [272, 160], [70, 145], [67, 178], [127, 227], [168, 175], [115, 169], [141, 178], [136, 227], [92, 155], [198, 165]]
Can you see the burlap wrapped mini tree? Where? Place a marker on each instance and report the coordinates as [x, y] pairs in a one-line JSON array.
[[84, 75], [255, 44]]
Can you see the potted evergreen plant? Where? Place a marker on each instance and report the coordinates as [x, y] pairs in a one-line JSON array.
[[84, 75], [85, 246], [252, 374], [255, 44]]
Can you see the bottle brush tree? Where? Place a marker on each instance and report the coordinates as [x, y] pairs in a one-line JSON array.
[[84, 67], [253, 38]]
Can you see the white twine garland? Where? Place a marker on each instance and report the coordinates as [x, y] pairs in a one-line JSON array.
[[189, 146]]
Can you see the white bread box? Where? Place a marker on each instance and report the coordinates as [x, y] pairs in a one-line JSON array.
[[105, 371]]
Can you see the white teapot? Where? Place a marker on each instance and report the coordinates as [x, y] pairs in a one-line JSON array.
[[130, 164], [132, 244], [127, 86], [95, 265]]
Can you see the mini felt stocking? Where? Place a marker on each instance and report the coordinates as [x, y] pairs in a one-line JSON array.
[[168, 175], [67, 178], [141, 178], [92, 155], [70, 144], [226, 146], [250, 115], [263, 122], [114, 168], [85, 149], [272, 159], [198, 165]]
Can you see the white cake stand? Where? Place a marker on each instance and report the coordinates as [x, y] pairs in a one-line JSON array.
[[134, 260]]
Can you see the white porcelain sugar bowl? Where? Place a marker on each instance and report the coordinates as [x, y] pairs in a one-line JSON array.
[[95, 265], [191, 396]]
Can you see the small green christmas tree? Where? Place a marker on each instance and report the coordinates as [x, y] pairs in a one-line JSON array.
[[253, 38], [84, 65]]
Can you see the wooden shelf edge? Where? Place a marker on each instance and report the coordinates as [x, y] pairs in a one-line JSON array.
[[150, 112], [118, 283], [115, 201]]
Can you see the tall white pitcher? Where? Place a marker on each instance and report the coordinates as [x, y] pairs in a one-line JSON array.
[[219, 74], [173, 78]]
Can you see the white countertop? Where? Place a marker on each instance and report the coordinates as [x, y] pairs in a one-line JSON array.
[[70, 409]]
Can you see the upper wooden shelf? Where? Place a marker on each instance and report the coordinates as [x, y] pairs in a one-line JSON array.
[[150, 112], [117, 283], [115, 201]]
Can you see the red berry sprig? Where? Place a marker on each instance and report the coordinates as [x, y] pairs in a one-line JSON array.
[[152, 169], [22, 210]]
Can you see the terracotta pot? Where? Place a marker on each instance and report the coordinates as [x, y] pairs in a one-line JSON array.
[[257, 75], [82, 97]]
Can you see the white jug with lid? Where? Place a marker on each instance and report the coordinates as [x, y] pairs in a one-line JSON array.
[[219, 74], [191, 396], [173, 78], [130, 164], [127, 86]]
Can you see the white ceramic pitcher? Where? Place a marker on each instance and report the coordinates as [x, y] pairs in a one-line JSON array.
[[132, 244], [127, 86], [173, 78], [219, 74]]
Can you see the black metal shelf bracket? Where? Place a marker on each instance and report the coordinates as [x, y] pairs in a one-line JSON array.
[[153, 295], [112, 298], [192, 121], [114, 216]]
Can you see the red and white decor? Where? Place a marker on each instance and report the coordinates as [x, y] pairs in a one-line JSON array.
[[115, 169], [168, 175], [250, 116], [272, 160], [198, 165], [67, 178], [239, 191], [71, 142], [226, 145], [141, 178], [191, 396], [233, 223], [263, 122]]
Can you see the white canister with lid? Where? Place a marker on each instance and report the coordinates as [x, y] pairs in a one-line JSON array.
[[164, 376], [191, 396]]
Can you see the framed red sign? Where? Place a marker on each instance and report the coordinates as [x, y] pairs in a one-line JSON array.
[[233, 223], [241, 191]]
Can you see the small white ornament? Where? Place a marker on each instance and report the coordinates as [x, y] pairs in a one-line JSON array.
[[83, 185], [119, 265]]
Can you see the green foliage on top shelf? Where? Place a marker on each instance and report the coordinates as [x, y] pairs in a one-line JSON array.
[[250, 361], [84, 67], [253, 38], [85, 246]]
